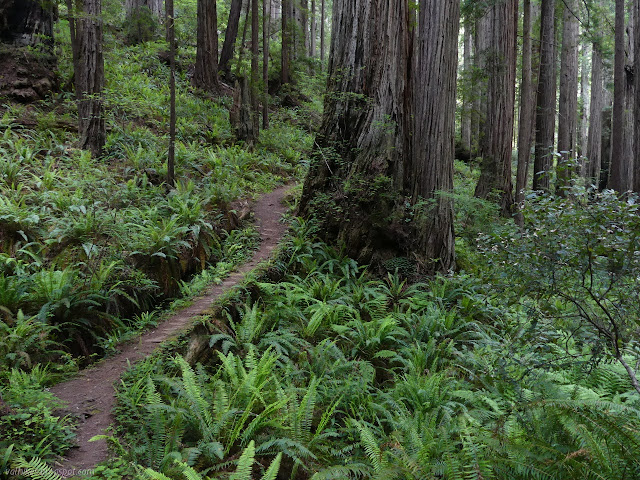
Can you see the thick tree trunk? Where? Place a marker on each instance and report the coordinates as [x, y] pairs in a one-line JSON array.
[[527, 113], [304, 25], [312, 32], [481, 44], [286, 44], [25, 76], [636, 117], [230, 37], [594, 142], [206, 72], [171, 35], [266, 15], [546, 99], [322, 30], [431, 167], [467, 110], [497, 139], [629, 95], [255, 72], [365, 172], [90, 105], [154, 6], [619, 165], [568, 106]]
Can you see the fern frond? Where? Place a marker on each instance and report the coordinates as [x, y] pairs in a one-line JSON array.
[[36, 469]]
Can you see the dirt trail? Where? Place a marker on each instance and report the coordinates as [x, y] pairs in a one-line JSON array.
[[90, 396]]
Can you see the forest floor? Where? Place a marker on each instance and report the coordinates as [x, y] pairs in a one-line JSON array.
[[90, 397]]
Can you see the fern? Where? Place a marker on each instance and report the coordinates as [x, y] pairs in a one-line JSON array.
[[36, 469]]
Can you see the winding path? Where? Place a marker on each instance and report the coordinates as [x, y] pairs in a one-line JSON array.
[[91, 396]]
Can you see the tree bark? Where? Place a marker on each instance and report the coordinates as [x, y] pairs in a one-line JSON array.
[[286, 44], [629, 94], [568, 106], [90, 105], [467, 111], [255, 72], [636, 116], [206, 72], [382, 149], [266, 15], [583, 127], [594, 141], [546, 99], [619, 163], [171, 35], [230, 37], [527, 113], [154, 6], [24, 75], [498, 136], [312, 33], [322, 29]]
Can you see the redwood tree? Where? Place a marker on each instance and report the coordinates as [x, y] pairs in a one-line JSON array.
[[230, 37], [385, 147], [594, 140], [91, 77], [546, 98], [619, 167], [206, 72], [568, 105], [498, 134]]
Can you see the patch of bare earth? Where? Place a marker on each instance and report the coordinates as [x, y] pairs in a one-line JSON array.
[[91, 396]]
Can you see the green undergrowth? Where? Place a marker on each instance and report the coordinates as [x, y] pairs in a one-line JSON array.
[[345, 375]]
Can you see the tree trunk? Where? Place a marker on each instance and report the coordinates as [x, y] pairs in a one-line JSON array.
[[583, 128], [629, 94], [206, 72], [568, 106], [312, 33], [322, 29], [364, 172], [154, 6], [467, 111], [497, 139], [527, 113], [24, 75], [619, 165], [546, 99], [255, 72], [304, 25], [431, 167], [171, 35], [230, 37], [481, 45], [266, 15], [286, 44], [636, 117], [594, 141], [90, 105]]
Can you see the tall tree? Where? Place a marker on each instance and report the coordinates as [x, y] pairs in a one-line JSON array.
[[285, 75], [568, 105], [619, 165], [91, 77], [266, 25], [206, 71], [636, 110], [629, 94], [527, 113], [154, 6], [255, 73], [230, 37], [583, 116], [323, 13], [390, 147], [498, 136], [467, 111], [594, 141], [312, 31], [171, 35], [546, 98]]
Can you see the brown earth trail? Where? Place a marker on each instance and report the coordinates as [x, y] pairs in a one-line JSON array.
[[91, 396]]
